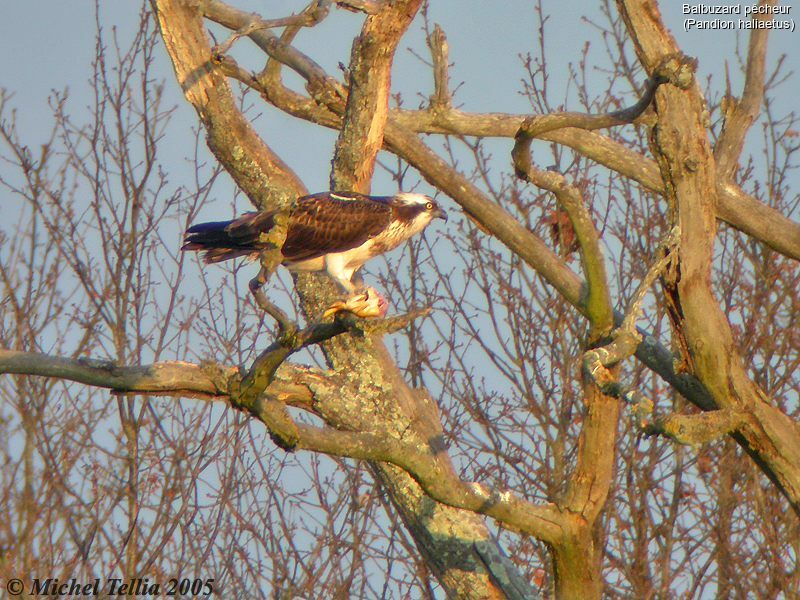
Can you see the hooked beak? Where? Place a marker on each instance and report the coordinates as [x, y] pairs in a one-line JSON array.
[[440, 214]]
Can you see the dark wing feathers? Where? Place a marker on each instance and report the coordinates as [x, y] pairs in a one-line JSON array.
[[325, 223], [319, 224], [223, 240]]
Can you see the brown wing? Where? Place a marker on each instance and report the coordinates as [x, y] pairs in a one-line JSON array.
[[328, 222]]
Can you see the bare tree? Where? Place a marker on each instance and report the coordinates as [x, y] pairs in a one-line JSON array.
[[603, 402]]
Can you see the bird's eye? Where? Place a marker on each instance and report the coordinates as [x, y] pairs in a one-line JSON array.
[[429, 206]]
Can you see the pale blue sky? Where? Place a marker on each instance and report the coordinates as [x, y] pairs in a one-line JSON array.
[[48, 45]]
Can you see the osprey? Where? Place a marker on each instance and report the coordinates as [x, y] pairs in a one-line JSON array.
[[335, 232]]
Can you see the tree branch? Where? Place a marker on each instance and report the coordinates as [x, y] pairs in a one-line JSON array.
[[740, 115], [245, 391], [367, 108], [689, 171], [597, 303], [695, 430], [387, 399], [536, 126], [257, 170], [740, 210], [311, 15], [171, 378]]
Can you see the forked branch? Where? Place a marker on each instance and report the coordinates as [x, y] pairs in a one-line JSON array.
[[626, 339], [677, 70]]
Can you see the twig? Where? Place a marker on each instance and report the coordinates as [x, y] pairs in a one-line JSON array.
[[271, 257], [285, 323], [370, 7], [437, 42], [311, 15], [626, 339], [665, 254], [675, 70]]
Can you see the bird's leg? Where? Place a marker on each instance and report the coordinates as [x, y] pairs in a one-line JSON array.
[[357, 282], [376, 301], [366, 303], [338, 271], [285, 324]]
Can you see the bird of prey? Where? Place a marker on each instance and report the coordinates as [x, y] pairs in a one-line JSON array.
[[333, 232]]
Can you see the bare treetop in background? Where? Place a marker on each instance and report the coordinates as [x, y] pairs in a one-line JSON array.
[[609, 371]]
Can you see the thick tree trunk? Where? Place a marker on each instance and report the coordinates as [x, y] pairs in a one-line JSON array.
[[688, 168], [456, 543], [576, 567]]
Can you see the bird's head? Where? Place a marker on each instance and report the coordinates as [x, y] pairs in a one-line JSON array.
[[417, 209]]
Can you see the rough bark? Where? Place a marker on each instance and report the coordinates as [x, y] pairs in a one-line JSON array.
[[258, 171], [370, 412], [447, 537]]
